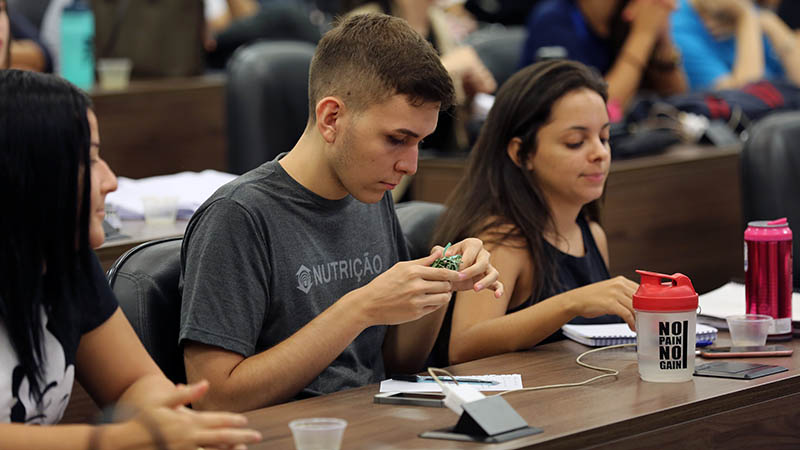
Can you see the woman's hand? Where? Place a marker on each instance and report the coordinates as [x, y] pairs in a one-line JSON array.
[[613, 296], [174, 426]]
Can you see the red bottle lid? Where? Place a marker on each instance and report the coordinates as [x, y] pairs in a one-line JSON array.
[[660, 292]]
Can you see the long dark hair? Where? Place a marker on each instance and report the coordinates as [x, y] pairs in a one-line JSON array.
[[496, 196], [45, 179], [6, 39]]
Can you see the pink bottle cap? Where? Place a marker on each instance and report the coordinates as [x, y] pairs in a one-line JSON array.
[[768, 230]]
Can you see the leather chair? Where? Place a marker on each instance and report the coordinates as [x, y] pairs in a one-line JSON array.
[[145, 280], [499, 48], [418, 220], [770, 183], [267, 101]]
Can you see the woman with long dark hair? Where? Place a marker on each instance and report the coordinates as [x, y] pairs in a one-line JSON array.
[[58, 318], [531, 192]]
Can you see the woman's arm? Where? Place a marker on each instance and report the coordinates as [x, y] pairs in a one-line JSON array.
[[784, 41], [135, 379], [748, 65], [480, 326], [624, 77]]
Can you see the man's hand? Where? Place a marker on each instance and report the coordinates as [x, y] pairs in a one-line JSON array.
[[406, 292]]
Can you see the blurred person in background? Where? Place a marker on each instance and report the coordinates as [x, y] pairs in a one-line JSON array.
[[628, 41], [729, 43]]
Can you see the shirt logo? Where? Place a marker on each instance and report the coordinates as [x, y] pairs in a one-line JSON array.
[[366, 267], [304, 282]]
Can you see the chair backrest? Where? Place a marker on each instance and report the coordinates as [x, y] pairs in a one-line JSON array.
[[770, 181], [267, 101], [145, 280], [418, 220], [500, 49]]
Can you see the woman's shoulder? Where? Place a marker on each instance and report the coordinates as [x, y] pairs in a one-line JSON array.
[[499, 234]]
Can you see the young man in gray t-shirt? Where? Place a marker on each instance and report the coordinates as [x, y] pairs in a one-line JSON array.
[[295, 280]]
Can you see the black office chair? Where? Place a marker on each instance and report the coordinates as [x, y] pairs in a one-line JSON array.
[[145, 281], [770, 182], [499, 48], [418, 220], [267, 101]]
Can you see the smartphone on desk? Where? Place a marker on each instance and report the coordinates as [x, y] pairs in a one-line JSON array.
[[745, 352], [410, 398]]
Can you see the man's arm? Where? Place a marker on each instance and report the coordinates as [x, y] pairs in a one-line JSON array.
[[405, 292], [279, 373]]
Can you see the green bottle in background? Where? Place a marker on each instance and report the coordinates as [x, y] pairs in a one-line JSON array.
[[77, 47]]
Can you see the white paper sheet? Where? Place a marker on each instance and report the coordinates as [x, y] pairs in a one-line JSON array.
[[504, 383], [729, 300], [191, 188]]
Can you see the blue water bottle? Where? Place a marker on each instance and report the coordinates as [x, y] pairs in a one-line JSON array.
[[77, 44]]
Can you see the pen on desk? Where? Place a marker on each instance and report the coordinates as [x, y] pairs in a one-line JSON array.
[[429, 379]]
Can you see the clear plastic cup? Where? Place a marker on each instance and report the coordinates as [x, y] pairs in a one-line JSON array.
[[749, 330], [114, 73], [160, 210], [321, 433]]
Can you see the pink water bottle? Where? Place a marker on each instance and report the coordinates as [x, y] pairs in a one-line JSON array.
[[768, 273]]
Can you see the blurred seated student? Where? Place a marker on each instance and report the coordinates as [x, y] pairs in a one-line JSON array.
[[233, 23], [628, 41], [729, 43], [470, 76], [59, 320], [26, 50], [531, 192]]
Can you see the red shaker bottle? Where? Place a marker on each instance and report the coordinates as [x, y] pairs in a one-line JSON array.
[[768, 273]]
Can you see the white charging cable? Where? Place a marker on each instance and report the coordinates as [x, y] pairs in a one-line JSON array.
[[456, 395], [609, 372]]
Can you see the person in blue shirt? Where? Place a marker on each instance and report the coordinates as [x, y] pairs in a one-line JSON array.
[[625, 40], [729, 43]]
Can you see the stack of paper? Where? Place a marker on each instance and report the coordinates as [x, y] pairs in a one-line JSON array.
[[191, 189], [619, 333]]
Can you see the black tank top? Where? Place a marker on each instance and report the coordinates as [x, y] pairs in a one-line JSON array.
[[572, 271]]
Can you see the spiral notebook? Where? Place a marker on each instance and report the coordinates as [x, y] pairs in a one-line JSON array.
[[619, 333]]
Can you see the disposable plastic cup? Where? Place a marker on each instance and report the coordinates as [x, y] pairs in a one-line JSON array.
[[114, 73], [160, 210], [321, 433], [749, 330]]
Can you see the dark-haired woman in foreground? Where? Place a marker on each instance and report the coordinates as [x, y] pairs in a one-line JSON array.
[[59, 320], [531, 193]]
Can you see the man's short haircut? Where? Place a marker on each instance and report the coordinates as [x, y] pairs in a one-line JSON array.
[[368, 58]]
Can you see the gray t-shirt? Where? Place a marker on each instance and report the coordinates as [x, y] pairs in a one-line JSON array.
[[264, 255]]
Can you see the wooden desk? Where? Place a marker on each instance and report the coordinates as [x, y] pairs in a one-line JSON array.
[[675, 212], [158, 127], [620, 414], [137, 232]]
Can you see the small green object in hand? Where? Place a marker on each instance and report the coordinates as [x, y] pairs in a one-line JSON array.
[[447, 262]]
